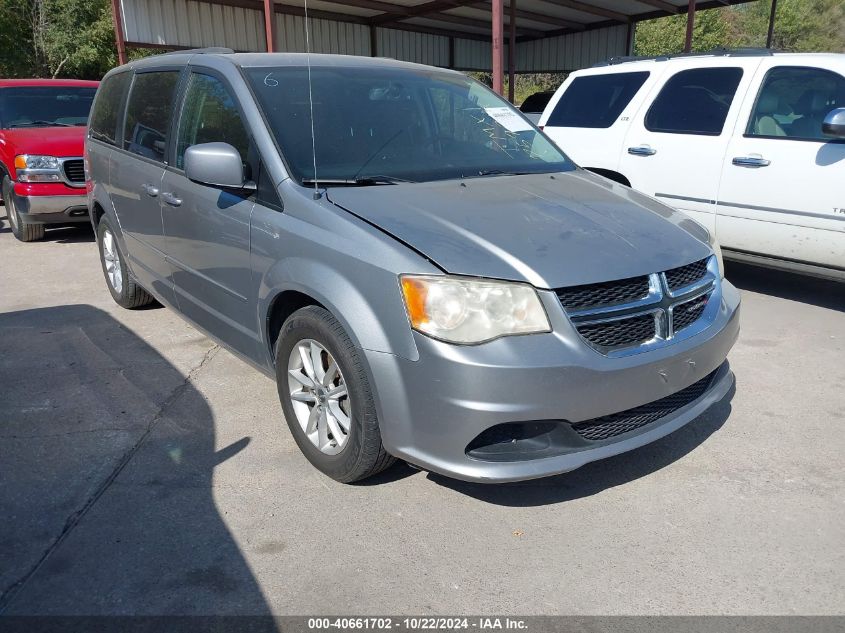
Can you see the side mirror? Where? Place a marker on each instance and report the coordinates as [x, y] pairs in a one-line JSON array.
[[834, 123], [217, 165]]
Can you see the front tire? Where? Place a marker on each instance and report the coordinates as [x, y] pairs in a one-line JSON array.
[[23, 232], [122, 287], [326, 397]]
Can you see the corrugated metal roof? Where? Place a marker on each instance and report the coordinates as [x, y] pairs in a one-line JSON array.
[[552, 35]]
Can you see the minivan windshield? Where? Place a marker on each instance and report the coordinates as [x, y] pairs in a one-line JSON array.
[[43, 106], [387, 125]]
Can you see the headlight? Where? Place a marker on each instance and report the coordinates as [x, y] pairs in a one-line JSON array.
[[28, 161], [461, 310], [32, 168], [717, 250]]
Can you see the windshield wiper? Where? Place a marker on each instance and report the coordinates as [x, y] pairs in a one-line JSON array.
[[40, 123], [356, 182], [500, 172]]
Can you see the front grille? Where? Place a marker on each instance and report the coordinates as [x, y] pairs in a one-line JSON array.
[[621, 332], [687, 313], [608, 426], [75, 170], [685, 275], [604, 294]]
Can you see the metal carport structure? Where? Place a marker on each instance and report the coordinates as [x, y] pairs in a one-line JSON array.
[[480, 35]]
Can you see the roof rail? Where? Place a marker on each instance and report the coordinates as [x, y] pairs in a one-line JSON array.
[[201, 51], [716, 52]]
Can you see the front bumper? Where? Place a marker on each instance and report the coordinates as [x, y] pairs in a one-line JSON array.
[[50, 203], [433, 408]]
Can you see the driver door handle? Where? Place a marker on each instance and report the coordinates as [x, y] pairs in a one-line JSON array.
[[642, 150], [151, 191], [171, 199], [751, 161]]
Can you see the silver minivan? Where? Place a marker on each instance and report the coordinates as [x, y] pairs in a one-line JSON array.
[[426, 276]]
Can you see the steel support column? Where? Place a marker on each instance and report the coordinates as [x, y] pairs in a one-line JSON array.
[[498, 36], [119, 37], [270, 25], [771, 33], [690, 25], [512, 51]]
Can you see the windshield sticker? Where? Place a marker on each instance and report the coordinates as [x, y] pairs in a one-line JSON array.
[[508, 119]]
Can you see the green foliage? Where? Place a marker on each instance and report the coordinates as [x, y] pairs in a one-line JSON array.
[[56, 38], [526, 84], [800, 26]]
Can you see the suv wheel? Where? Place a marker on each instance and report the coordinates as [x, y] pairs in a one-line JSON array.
[[122, 287], [24, 232], [326, 397]]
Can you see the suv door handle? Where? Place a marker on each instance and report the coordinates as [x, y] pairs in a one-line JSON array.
[[642, 150], [151, 191], [751, 161], [171, 199]]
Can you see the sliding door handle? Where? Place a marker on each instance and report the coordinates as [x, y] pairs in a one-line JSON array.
[[171, 199], [751, 161], [642, 150]]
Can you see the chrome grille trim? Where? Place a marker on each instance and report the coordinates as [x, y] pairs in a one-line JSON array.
[[660, 302], [78, 184]]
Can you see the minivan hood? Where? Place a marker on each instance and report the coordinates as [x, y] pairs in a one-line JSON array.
[[47, 141], [550, 230]]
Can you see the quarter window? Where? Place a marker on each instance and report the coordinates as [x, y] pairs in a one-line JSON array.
[[694, 101], [148, 113], [793, 103], [596, 101], [107, 108], [210, 116]]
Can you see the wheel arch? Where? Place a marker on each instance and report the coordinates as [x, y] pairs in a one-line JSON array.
[[610, 174]]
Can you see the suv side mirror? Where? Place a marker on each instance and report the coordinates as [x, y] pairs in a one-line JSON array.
[[216, 164], [834, 123]]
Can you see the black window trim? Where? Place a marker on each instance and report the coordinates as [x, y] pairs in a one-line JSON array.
[[177, 92], [689, 133], [800, 139]]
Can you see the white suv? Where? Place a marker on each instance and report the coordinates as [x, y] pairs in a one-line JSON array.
[[749, 143]]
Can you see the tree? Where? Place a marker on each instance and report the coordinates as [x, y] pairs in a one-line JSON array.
[[51, 38], [800, 26]]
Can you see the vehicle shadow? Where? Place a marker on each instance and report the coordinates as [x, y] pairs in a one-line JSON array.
[[792, 286], [601, 475], [107, 454]]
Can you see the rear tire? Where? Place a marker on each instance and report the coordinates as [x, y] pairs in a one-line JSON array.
[[23, 232], [358, 453], [124, 290]]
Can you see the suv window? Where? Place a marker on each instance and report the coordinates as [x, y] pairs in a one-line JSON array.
[[694, 101], [210, 116], [107, 108], [148, 113], [45, 106], [537, 102], [596, 101], [794, 101]]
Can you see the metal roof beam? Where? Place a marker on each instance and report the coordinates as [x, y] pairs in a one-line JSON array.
[[591, 10], [668, 7], [403, 13]]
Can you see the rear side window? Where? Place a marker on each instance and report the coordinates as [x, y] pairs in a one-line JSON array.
[[596, 101], [694, 101], [107, 108], [148, 113]]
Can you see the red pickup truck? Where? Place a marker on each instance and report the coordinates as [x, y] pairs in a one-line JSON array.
[[42, 133]]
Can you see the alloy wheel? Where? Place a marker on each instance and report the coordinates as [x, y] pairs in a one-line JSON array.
[[319, 396], [111, 257]]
